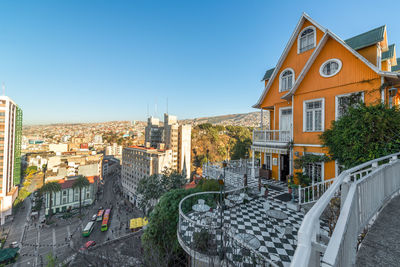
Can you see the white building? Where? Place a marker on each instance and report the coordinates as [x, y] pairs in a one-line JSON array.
[[10, 154], [111, 165], [139, 163], [175, 137], [98, 139], [58, 148], [114, 150]]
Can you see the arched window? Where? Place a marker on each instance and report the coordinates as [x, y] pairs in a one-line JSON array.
[[286, 80], [307, 39], [330, 68]]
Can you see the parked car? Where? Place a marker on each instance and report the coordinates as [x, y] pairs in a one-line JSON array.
[[94, 217], [14, 244], [88, 244]]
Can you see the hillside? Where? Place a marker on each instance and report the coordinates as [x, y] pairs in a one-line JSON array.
[[251, 119]]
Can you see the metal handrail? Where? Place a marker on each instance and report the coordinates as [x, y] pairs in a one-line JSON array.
[[309, 228]]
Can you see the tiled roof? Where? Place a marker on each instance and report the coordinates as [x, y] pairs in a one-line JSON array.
[[397, 67], [268, 74], [388, 54], [68, 183], [367, 38]]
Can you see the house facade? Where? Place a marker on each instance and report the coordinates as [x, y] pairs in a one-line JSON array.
[[317, 77], [68, 197]]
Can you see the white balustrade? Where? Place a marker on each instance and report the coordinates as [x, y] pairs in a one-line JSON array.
[[363, 191], [262, 137]]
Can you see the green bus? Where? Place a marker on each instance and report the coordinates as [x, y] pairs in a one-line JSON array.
[[106, 220], [88, 229]]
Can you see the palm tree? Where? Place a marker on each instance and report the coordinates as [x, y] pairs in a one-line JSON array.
[[80, 183], [50, 188]]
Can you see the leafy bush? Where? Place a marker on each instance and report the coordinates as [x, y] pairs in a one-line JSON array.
[[208, 185], [364, 133]]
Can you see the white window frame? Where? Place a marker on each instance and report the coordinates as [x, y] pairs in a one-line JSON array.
[[280, 116], [390, 105], [344, 95], [280, 79], [322, 166], [299, 36], [379, 57], [322, 115], [321, 68]]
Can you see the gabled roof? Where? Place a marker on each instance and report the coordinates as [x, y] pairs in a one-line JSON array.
[[292, 39], [268, 74], [316, 52], [367, 38], [397, 67], [388, 54]]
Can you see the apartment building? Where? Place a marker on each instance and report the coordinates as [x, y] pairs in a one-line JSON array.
[[10, 154], [139, 163], [318, 76], [175, 137], [114, 150]]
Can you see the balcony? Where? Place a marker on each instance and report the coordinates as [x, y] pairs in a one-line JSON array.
[[271, 138]]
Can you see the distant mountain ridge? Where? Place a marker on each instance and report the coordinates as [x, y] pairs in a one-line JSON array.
[[251, 119]]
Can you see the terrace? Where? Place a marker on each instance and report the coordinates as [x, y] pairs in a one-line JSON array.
[[242, 226]]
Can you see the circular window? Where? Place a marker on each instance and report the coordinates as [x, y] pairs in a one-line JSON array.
[[330, 68]]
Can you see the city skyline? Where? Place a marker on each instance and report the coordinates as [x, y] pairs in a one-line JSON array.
[[100, 61]]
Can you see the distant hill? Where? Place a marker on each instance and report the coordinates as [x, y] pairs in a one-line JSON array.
[[251, 119]]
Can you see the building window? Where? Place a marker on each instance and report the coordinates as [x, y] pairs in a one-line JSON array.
[[307, 39], [314, 171], [286, 80], [392, 95], [344, 102], [313, 116], [330, 68]]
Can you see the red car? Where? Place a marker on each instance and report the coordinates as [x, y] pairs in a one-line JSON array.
[[88, 244]]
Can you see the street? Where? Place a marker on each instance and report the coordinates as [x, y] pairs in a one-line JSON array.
[[64, 237]]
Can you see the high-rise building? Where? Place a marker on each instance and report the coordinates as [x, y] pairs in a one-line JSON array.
[[139, 163], [175, 137], [10, 154]]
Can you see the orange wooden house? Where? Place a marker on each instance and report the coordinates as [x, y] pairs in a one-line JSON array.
[[310, 87]]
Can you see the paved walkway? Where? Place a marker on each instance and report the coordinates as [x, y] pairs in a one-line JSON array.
[[381, 246]]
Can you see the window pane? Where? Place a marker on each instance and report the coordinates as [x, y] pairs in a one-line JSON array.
[[309, 118], [289, 82], [318, 120]]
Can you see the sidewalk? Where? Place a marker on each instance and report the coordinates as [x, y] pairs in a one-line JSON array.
[[381, 246]]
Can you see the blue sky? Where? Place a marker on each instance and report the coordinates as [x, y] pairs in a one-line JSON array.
[[91, 61]]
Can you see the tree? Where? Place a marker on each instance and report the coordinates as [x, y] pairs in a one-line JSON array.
[[159, 238], [80, 183], [363, 133], [154, 186], [50, 188]]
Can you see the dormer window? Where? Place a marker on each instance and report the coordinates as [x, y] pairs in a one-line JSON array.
[[286, 80], [307, 39]]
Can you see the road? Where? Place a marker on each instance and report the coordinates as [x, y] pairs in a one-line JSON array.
[[38, 242]]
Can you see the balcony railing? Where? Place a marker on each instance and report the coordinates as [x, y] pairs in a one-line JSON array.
[[263, 137]]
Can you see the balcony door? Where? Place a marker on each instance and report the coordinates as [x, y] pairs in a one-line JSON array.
[[285, 123]]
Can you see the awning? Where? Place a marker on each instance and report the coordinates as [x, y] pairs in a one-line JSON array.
[[138, 223], [269, 149]]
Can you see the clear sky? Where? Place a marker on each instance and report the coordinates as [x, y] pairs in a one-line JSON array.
[[87, 61]]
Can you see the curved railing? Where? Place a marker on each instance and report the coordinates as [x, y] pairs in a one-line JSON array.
[[205, 237], [232, 178], [355, 212]]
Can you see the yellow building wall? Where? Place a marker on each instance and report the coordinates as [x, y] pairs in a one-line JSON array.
[[294, 61], [370, 53]]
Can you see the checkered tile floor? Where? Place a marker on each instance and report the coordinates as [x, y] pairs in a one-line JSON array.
[[251, 218]]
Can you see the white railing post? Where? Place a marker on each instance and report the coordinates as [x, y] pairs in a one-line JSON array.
[[252, 165]]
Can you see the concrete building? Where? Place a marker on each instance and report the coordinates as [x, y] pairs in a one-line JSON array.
[[58, 148], [153, 132], [68, 197], [114, 150], [111, 165], [98, 139], [139, 163], [10, 154], [175, 137]]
